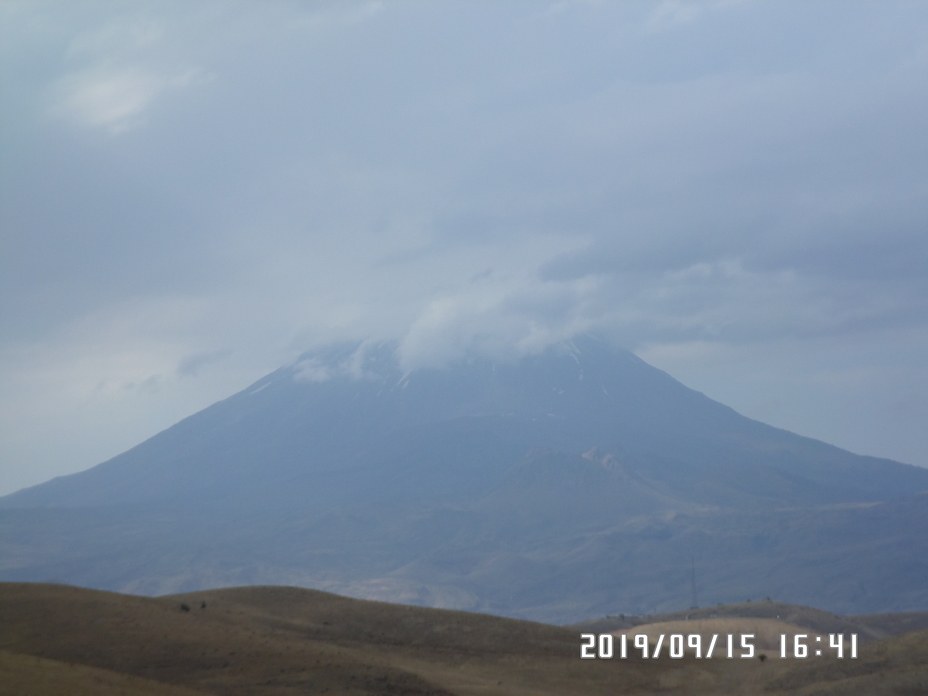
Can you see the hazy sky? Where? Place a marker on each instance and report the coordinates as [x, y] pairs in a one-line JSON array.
[[193, 193]]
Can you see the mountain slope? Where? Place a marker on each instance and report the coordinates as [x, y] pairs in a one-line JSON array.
[[327, 425]]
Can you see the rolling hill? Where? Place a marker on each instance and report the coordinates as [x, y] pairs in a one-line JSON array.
[[282, 640]]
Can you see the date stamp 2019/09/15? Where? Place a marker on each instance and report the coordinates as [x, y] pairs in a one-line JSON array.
[[606, 646]]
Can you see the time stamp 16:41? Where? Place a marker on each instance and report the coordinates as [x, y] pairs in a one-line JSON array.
[[606, 646]]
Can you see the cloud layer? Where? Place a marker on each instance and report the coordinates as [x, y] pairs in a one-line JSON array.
[[192, 195]]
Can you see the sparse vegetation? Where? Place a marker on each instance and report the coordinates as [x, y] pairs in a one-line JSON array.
[[57, 639]]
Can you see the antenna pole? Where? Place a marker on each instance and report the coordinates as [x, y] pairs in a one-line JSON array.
[[695, 598]]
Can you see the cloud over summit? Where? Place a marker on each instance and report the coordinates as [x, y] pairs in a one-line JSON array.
[[749, 177]]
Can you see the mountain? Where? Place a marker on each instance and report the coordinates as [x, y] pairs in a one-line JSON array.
[[576, 482], [349, 422]]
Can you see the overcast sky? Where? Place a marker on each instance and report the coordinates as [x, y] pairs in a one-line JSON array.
[[191, 194]]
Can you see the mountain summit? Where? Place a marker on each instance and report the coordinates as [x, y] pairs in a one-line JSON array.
[[348, 419], [464, 486]]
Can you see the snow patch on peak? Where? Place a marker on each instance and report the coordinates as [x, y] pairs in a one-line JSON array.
[[363, 360]]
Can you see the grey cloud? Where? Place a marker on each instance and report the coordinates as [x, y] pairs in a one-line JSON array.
[[146, 386], [192, 364], [296, 174]]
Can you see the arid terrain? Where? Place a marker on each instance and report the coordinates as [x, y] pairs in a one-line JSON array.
[[57, 639], [868, 627]]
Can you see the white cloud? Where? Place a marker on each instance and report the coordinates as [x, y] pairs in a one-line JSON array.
[[313, 370], [115, 99]]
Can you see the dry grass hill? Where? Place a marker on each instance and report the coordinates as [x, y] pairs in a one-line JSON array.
[[57, 639], [766, 632], [868, 627]]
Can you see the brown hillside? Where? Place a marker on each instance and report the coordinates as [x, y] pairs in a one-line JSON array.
[[24, 675], [885, 625], [868, 627], [766, 632], [895, 666], [286, 641]]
